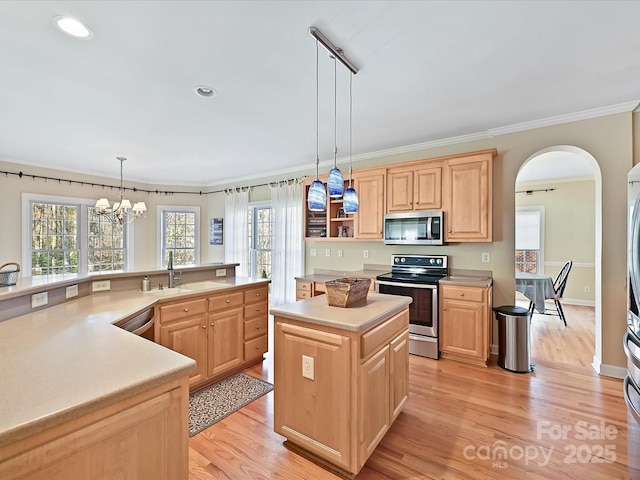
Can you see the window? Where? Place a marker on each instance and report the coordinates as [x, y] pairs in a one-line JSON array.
[[67, 236], [179, 233], [260, 231], [529, 239]]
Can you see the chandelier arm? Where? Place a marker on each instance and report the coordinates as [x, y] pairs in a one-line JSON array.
[[332, 49], [335, 113]]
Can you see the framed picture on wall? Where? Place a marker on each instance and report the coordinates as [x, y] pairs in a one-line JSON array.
[[215, 231]]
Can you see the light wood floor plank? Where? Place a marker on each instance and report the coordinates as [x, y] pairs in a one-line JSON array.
[[456, 416]]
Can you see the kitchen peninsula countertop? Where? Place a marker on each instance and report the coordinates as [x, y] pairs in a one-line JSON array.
[[317, 311], [64, 361], [322, 276]]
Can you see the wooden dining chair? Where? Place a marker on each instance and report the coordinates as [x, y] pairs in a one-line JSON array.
[[559, 285]]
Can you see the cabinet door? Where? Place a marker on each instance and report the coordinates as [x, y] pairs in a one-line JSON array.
[[399, 190], [370, 188], [189, 337], [463, 329], [226, 340], [399, 372], [469, 199], [428, 188], [374, 407]]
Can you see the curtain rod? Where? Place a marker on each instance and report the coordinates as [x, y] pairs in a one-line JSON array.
[[34, 177], [529, 192]]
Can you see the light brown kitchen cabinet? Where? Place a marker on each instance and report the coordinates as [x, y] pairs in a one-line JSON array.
[[370, 186], [143, 436], [223, 332], [183, 328], [469, 198], [326, 416], [465, 323], [414, 187]]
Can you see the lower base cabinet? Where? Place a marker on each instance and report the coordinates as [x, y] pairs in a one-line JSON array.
[[358, 387], [145, 436], [465, 323], [223, 332]]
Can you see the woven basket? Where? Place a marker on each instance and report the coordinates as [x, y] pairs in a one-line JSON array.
[[347, 292], [9, 277]]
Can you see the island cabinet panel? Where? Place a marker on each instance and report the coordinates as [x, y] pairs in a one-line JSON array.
[[228, 333], [141, 437], [359, 385], [465, 323], [469, 196], [313, 413], [370, 188]]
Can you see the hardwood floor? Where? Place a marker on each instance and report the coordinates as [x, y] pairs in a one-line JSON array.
[[462, 422]]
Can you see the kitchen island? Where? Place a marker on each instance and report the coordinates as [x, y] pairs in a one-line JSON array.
[[341, 377]]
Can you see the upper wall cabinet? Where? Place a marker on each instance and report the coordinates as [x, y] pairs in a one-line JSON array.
[[415, 187], [468, 192], [370, 187]]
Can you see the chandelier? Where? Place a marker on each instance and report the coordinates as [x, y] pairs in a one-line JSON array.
[[122, 212]]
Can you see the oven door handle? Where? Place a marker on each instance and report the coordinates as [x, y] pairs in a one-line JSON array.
[[407, 285]]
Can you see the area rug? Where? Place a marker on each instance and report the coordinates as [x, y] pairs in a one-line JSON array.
[[213, 403]]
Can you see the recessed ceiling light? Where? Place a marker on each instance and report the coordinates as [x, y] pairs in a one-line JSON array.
[[204, 91], [73, 27]]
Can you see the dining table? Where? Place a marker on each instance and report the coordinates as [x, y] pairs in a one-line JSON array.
[[536, 287]]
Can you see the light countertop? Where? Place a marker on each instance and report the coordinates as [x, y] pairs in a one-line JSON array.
[[63, 361], [317, 311], [322, 276]]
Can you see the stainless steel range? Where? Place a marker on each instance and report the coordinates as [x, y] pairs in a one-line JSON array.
[[417, 276]]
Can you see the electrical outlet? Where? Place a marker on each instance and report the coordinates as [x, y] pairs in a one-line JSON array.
[[365, 254], [486, 257], [221, 272], [339, 253], [313, 252], [308, 367], [327, 252], [72, 291], [101, 285], [587, 289], [39, 299]]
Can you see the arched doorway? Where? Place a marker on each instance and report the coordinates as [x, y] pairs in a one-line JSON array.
[[555, 175]]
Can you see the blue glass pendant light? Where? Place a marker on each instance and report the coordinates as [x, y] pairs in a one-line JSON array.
[[335, 182], [317, 195], [350, 200]]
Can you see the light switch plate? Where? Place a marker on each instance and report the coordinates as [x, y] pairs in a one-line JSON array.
[[365, 253], [71, 291], [486, 257], [39, 299], [101, 285], [221, 272], [308, 367], [327, 252], [313, 252]]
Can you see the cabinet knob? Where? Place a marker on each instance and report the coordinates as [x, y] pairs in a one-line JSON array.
[[212, 324], [257, 347], [228, 301], [204, 326], [257, 327], [462, 294], [449, 231], [257, 294], [257, 309], [186, 309], [444, 309]]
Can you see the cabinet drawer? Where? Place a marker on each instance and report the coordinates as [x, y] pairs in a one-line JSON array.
[[256, 327], [226, 300], [455, 292], [302, 294], [377, 336], [303, 286], [255, 310], [256, 347], [254, 295], [320, 288], [178, 311]]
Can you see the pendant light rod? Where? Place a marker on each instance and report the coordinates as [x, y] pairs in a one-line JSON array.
[[338, 53]]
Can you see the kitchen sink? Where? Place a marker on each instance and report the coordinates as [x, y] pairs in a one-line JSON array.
[[205, 285]]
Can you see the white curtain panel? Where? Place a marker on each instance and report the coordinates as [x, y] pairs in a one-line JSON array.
[[287, 249], [236, 230]]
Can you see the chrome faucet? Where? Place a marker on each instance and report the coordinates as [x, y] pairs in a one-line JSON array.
[[170, 268]]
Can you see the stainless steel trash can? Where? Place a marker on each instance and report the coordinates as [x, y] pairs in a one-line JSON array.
[[514, 338]]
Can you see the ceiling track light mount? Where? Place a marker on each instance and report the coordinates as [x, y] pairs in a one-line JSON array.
[[336, 52]]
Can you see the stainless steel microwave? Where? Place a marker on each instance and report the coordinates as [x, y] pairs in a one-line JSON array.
[[414, 228]]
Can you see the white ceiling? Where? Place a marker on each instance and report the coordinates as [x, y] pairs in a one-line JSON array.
[[429, 70]]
